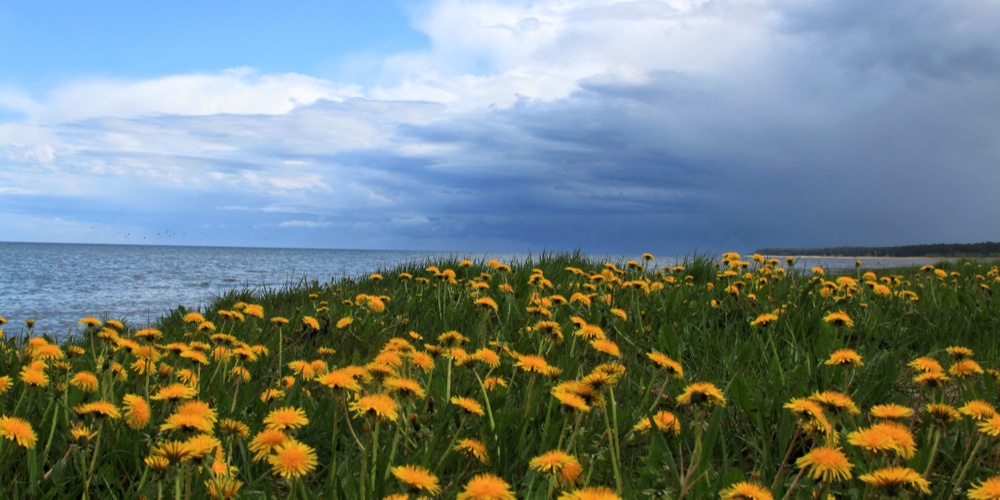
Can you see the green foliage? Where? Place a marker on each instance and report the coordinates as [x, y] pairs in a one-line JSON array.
[[704, 314]]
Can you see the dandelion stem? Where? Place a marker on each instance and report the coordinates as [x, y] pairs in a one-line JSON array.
[[795, 483], [965, 470], [784, 462], [934, 450], [613, 446]]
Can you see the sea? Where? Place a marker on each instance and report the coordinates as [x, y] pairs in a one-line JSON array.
[[58, 284]]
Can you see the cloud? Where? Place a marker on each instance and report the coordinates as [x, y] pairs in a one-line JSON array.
[[612, 126]]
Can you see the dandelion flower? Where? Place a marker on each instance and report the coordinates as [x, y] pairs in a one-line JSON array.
[[487, 304], [174, 393], [702, 393], [746, 490], [85, 381], [672, 367], [292, 459], [890, 412], [965, 367], [193, 317], [101, 409], [310, 322], [137, 411], [978, 410], [926, 364], [486, 487], [885, 437], [340, 379], [532, 363], [835, 402], [235, 428], [286, 418], [991, 426], [664, 420], [764, 319], [931, 379], [90, 322], [845, 357], [34, 377], [265, 441], [417, 478], [826, 464], [19, 430], [474, 448], [894, 479], [943, 414], [223, 487], [839, 318], [378, 405], [469, 406], [959, 352], [987, 490], [606, 346], [191, 416]]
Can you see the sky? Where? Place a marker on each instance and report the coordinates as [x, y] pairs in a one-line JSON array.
[[674, 127]]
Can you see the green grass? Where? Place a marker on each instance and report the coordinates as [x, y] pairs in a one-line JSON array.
[[693, 315]]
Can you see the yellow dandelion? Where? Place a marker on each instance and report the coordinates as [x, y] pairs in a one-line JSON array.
[[764, 319], [839, 318], [235, 428], [378, 405], [405, 388], [417, 478], [978, 410], [292, 459], [606, 346], [926, 364], [137, 411], [468, 405], [664, 420], [826, 464], [965, 367], [890, 412], [590, 493], [835, 402], [174, 393], [894, 480], [746, 490], [990, 427], [672, 367], [90, 322], [959, 352], [223, 487], [486, 487], [487, 304], [85, 381], [845, 357], [986, 490], [100, 409], [702, 393], [473, 448], [286, 418], [266, 441], [19, 430], [310, 322]]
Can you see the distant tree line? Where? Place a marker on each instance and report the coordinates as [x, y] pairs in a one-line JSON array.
[[985, 249]]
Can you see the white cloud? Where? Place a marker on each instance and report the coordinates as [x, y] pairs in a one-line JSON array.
[[305, 223], [235, 91]]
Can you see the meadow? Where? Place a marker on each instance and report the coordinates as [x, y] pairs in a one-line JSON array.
[[556, 377]]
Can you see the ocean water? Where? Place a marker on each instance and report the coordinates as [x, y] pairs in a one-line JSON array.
[[58, 284]]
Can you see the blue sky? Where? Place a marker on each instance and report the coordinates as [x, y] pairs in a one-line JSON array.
[[675, 126]]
